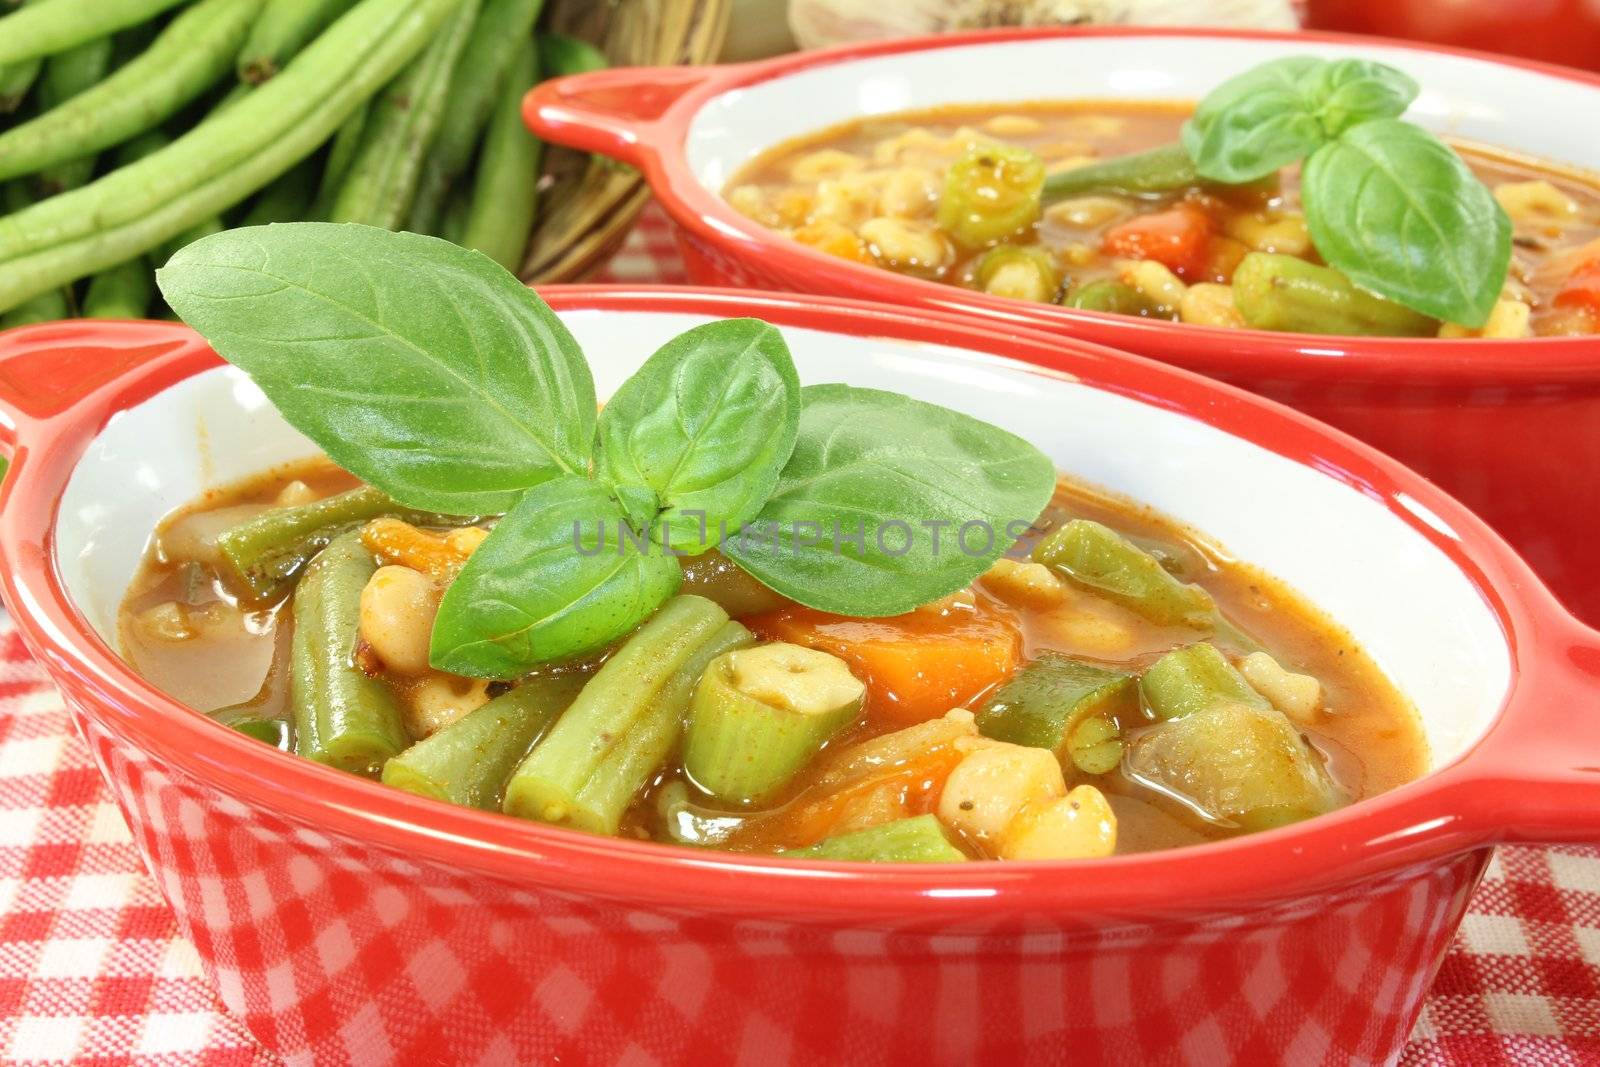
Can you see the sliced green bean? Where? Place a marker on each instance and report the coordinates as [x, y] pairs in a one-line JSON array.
[[286, 200], [342, 716], [123, 292], [220, 162], [501, 29], [1065, 706], [1278, 292], [186, 60], [505, 194], [251, 722], [1158, 170], [67, 77], [50, 26], [561, 55], [990, 194], [282, 29], [468, 762], [382, 180], [919, 839], [1193, 678], [1102, 560], [1114, 297]]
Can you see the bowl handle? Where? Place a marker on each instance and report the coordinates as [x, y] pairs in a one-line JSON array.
[[616, 113]]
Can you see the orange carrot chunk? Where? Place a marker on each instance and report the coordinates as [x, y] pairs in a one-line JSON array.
[[1178, 238], [1582, 288]]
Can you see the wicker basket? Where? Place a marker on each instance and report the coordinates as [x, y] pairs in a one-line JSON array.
[[589, 204]]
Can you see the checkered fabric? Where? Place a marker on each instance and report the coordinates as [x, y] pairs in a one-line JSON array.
[[93, 970]]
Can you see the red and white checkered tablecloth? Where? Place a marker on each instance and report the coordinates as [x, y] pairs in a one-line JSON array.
[[93, 971]]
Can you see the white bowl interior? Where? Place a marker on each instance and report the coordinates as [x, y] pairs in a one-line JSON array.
[[1483, 101], [1399, 596]]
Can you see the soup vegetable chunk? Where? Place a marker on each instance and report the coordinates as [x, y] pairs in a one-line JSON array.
[[1293, 198], [671, 621]]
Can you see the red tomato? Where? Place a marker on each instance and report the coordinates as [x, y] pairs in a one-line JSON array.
[[1582, 288], [1178, 238]]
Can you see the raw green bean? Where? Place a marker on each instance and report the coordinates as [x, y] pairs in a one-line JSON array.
[[66, 77], [282, 29], [469, 761], [264, 552], [286, 200], [382, 180], [1278, 292], [123, 292], [504, 197], [919, 839], [623, 693], [46, 306], [220, 162], [501, 29], [51, 26], [341, 153], [342, 717], [1102, 560], [188, 58], [1158, 170], [15, 81], [453, 223], [203, 228], [1193, 678], [560, 55]]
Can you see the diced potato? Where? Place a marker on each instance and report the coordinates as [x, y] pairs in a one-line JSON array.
[[1021, 279], [1509, 319], [993, 784], [916, 145], [905, 244], [1209, 304], [1013, 125], [295, 494], [1155, 282], [1078, 826], [1296, 695], [1536, 203], [1271, 232], [1027, 584], [827, 163], [1089, 212], [909, 193]]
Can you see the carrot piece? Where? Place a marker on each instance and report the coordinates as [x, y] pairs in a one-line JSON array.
[[1178, 239], [916, 666], [836, 240], [1582, 288], [395, 541]]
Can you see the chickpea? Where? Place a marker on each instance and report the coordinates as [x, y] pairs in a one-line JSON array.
[[992, 785], [398, 606], [441, 700], [909, 193], [901, 243], [827, 163], [294, 494], [1210, 304]]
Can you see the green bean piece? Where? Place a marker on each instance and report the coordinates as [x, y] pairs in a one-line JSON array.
[[280, 31], [382, 180], [1279, 292], [686, 823], [1115, 297], [50, 26], [16, 79], [341, 153], [186, 60], [561, 55], [453, 223], [638, 755], [46, 306], [342, 716], [1022, 272], [249, 721], [286, 200], [468, 762], [760, 715], [621, 695], [1073, 709], [123, 292], [1103, 561], [220, 162], [505, 194], [1158, 170], [66, 77], [990, 194], [264, 553], [501, 29], [919, 839], [1239, 765], [1194, 678]]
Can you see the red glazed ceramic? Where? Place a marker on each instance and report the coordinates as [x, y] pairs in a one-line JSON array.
[[344, 922], [1556, 31], [1512, 427]]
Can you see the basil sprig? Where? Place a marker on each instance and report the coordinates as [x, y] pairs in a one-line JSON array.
[[436, 376], [1386, 202]]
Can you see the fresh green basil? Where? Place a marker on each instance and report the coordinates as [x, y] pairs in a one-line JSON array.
[[889, 502], [1351, 91], [421, 367], [705, 426], [561, 575], [1398, 212], [1255, 123]]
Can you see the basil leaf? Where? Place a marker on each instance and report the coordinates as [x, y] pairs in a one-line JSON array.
[[1351, 91], [1398, 212], [868, 516], [706, 425], [423, 368], [556, 578], [1255, 123]]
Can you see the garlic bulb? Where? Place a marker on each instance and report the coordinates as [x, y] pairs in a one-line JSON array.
[[823, 22]]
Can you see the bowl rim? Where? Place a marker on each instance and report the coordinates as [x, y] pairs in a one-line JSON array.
[[1452, 809], [651, 131]]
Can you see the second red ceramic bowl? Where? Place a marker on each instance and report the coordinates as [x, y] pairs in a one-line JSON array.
[[1511, 427]]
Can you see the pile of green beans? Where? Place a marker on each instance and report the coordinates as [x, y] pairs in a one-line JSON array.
[[129, 128]]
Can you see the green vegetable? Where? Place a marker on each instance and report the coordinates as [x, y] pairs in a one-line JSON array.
[[47, 27], [675, 440], [717, 578], [186, 60], [1398, 212], [991, 193], [47, 306], [248, 720], [888, 503], [342, 717], [341, 154], [399, 131], [617, 700], [1070, 708], [1022, 272], [281, 30], [68, 76], [123, 292], [505, 194], [16, 79], [468, 761], [1114, 297], [919, 839], [457, 388], [285, 200], [1192, 679], [560, 55], [1102, 560], [760, 715], [1158, 170], [688, 824], [561, 575], [1275, 292]]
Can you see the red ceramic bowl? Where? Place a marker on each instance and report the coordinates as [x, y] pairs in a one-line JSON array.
[[1556, 31], [346, 922], [1512, 427]]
